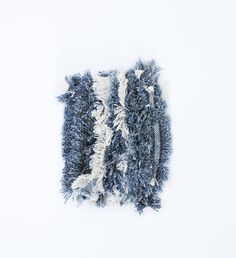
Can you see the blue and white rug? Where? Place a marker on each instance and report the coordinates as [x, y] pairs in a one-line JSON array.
[[116, 137]]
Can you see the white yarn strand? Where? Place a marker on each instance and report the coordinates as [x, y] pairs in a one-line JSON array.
[[103, 134]]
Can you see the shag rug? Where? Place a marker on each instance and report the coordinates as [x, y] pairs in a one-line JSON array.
[[116, 137]]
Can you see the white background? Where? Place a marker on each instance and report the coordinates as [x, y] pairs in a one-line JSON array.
[[194, 42]]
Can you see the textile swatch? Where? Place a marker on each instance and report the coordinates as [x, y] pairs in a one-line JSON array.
[[116, 140]]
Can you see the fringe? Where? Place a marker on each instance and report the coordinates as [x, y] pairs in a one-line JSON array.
[[91, 185], [78, 136], [116, 137]]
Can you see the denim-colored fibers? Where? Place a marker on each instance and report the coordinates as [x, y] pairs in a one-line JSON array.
[[78, 137], [114, 178], [116, 137]]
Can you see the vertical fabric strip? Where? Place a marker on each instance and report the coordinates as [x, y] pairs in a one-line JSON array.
[[119, 121], [116, 156], [78, 138], [91, 185]]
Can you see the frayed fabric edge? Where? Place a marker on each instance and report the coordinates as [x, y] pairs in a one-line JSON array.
[[89, 182]]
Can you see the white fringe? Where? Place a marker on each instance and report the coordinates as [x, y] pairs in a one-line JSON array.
[[113, 198], [103, 134], [119, 111]]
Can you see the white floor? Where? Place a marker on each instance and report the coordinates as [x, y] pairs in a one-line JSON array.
[[194, 42]]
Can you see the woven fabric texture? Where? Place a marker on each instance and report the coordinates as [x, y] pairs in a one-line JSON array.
[[116, 137]]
